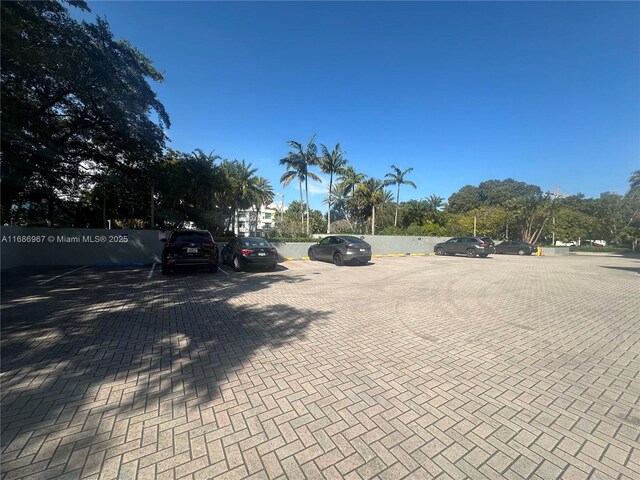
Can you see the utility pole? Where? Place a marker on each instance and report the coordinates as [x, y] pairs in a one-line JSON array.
[[373, 221], [556, 194]]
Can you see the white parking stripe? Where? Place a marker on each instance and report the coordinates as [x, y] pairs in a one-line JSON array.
[[151, 272], [62, 275], [223, 271]]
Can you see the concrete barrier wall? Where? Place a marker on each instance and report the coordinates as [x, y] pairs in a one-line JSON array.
[[380, 245], [555, 251], [79, 246]]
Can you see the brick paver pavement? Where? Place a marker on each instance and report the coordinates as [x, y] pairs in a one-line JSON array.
[[417, 367]]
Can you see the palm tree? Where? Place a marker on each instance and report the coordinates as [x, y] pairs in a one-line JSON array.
[[349, 179], [298, 161], [368, 195], [339, 203], [332, 162], [434, 203], [241, 180], [397, 178], [262, 194], [292, 165], [377, 196], [199, 167]]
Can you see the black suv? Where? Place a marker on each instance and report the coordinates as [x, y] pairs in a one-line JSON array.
[[189, 248], [469, 246]]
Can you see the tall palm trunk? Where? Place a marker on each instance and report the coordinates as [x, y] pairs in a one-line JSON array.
[[301, 209], [306, 190], [395, 222], [329, 209]]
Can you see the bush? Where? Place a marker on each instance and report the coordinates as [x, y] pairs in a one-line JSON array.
[[392, 231]]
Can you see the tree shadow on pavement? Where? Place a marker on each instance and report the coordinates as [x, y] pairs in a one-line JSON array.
[[109, 346]]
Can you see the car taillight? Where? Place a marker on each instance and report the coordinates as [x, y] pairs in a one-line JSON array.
[[208, 245], [246, 251], [349, 246], [274, 251], [483, 244], [171, 244]]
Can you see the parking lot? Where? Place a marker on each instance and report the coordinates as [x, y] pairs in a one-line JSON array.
[[416, 367]]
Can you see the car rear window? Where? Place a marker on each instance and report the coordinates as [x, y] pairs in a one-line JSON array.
[[191, 237], [354, 239], [486, 240], [255, 242]]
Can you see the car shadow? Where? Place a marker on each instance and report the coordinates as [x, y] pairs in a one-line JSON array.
[[626, 269]]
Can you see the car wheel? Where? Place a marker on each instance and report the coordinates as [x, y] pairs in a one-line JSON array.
[[213, 268], [236, 264], [338, 260], [520, 252], [165, 270], [312, 254], [439, 251], [471, 252]]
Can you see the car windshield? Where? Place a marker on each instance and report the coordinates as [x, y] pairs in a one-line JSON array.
[[191, 237], [354, 239]]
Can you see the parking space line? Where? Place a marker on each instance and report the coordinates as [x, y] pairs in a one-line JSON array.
[[62, 275], [151, 272], [223, 271]]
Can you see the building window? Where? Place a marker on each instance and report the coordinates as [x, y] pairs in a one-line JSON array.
[[267, 216]]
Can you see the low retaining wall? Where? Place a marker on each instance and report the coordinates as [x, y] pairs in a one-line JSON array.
[[555, 251], [22, 246], [380, 245]]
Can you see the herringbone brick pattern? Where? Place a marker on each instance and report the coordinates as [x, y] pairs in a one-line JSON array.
[[430, 367]]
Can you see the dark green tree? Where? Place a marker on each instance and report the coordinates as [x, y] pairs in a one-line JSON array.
[[76, 103]]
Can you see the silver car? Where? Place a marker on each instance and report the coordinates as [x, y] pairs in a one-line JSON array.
[[341, 249]]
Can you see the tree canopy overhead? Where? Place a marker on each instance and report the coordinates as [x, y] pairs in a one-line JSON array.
[[75, 103]]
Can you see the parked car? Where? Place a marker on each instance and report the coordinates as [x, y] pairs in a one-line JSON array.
[[341, 249], [469, 246], [189, 248], [515, 247], [243, 251]]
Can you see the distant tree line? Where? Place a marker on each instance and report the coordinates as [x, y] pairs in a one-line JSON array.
[[83, 142]]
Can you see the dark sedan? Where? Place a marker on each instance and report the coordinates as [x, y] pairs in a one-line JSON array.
[[244, 251], [341, 249], [515, 247]]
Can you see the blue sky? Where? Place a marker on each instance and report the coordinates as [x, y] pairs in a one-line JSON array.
[[546, 93]]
